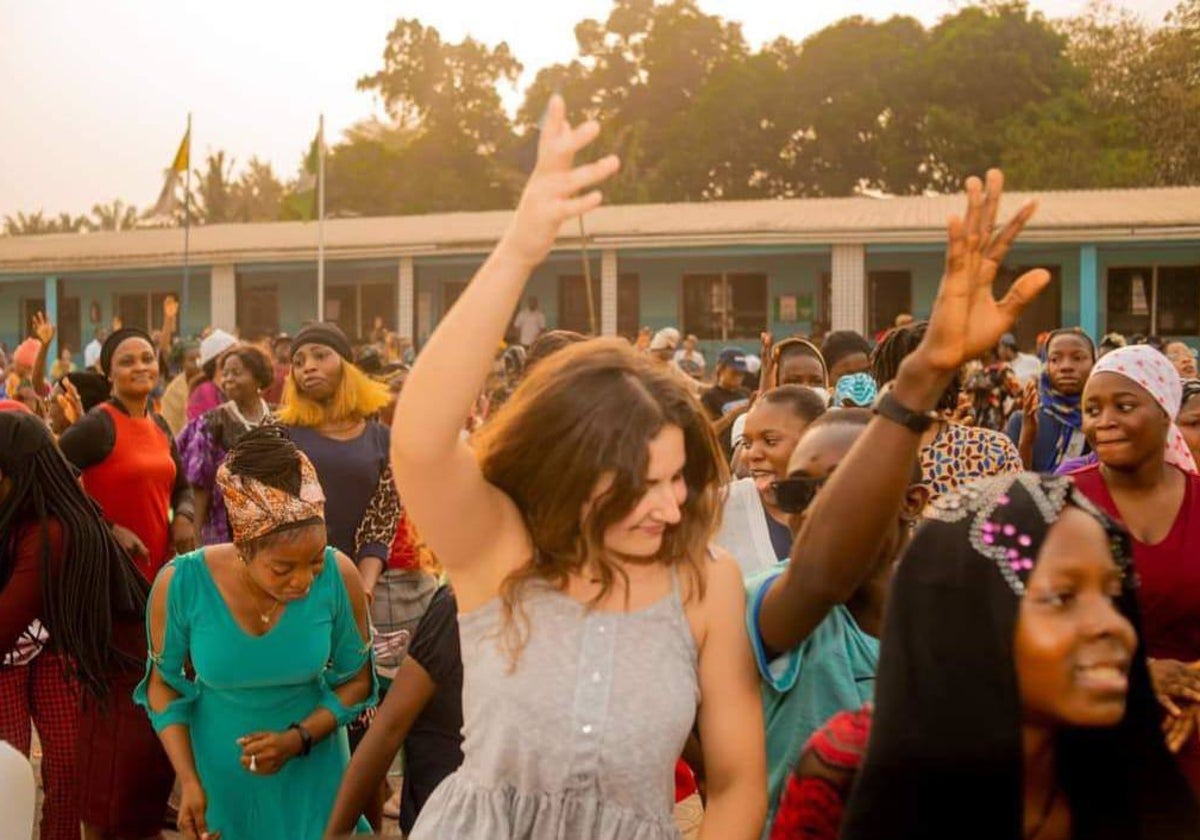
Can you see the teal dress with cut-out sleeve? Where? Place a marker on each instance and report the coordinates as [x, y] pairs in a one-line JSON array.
[[242, 684]]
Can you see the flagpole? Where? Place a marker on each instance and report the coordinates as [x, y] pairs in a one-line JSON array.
[[321, 219], [187, 228]]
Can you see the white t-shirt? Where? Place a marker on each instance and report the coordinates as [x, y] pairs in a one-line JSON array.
[[695, 357], [530, 323]]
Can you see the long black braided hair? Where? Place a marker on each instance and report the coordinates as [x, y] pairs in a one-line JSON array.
[[93, 581]]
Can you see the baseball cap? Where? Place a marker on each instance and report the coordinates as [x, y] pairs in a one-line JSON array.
[[1008, 340], [665, 339], [733, 357]]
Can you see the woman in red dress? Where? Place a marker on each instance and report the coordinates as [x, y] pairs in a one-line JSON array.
[[132, 469], [1147, 479]]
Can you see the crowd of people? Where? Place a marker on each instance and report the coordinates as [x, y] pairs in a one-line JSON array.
[[922, 585]]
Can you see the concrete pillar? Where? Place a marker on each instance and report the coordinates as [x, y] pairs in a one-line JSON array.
[[404, 298], [222, 294], [1089, 291], [848, 308], [50, 293], [608, 292]]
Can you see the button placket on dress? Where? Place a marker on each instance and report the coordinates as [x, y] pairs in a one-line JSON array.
[[593, 686]]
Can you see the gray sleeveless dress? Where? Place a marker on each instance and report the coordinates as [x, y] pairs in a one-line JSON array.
[[580, 741]]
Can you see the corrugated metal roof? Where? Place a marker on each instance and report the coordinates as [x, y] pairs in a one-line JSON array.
[[1097, 216]]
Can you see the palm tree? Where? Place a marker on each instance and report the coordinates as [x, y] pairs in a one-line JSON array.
[[116, 215]]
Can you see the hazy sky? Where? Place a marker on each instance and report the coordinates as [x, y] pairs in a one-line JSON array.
[[95, 94]]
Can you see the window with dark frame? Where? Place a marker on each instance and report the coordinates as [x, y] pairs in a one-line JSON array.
[[1177, 300], [724, 307], [889, 293], [573, 305], [1153, 300]]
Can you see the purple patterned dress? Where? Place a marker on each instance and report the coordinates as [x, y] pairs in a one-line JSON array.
[[203, 445]]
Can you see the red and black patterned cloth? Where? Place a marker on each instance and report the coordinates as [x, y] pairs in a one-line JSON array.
[[814, 799]]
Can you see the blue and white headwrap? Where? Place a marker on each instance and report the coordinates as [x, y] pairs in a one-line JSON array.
[[855, 390]]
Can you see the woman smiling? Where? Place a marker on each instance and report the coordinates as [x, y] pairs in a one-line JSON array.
[[1147, 479]]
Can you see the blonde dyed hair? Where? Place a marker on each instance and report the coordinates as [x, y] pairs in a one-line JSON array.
[[356, 397], [587, 413]]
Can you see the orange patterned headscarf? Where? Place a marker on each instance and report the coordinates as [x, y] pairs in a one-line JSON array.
[[256, 508]]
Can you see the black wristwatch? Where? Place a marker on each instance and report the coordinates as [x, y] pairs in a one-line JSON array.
[[888, 406], [306, 739]]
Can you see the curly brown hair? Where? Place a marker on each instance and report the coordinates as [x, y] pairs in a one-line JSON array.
[[588, 413]]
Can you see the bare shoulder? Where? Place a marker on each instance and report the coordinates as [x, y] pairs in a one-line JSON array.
[[723, 602], [349, 572]]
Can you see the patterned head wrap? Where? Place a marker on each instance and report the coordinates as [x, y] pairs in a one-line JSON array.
[[1154, 373], [855, 389], [256, 508]]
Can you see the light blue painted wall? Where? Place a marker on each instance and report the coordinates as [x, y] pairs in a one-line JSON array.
[[12, 330], [661, 282], [926, 267]]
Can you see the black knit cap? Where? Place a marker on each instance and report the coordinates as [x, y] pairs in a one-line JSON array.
[[114, 341], [329, 335]]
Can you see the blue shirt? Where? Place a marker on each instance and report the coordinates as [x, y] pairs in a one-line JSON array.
[[1046, 458], [831, 671]]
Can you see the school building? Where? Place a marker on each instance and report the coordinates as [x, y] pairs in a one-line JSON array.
[[1122, 260]]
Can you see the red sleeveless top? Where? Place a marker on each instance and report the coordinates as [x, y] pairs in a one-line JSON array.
[[134, 484]]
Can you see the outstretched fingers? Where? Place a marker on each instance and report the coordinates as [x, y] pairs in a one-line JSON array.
[[573, 207], [1028, 286], [993, 189], [998, 248], [974, 210], [590, 174]]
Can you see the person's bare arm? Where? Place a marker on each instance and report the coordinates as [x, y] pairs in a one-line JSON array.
[[176, 738], [840, 538], [410, 692], [436, 471], [730, 717], [44, 331], [170, 319]]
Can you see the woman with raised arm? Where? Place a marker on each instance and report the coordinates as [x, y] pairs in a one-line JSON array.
[[596, 626]]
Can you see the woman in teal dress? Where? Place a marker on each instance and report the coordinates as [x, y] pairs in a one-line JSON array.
[[259, 656]]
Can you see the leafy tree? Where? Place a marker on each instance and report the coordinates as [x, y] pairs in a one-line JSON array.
[[1148, 77], [212, 201], [258, 194], [639, 73], [1065, 144], [452, 143], [982, 66]]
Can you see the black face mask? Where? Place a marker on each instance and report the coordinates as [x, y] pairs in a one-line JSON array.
[[795, 493]]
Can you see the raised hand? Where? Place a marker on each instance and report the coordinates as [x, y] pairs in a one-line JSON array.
[[42, 328], [70, 402], [170, 308], [1030, 403], [552, 194], [967, 319]]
